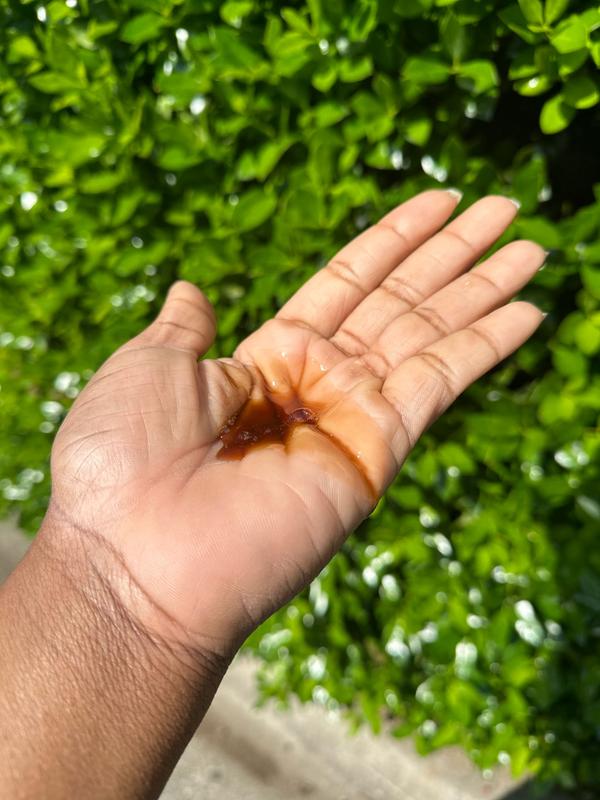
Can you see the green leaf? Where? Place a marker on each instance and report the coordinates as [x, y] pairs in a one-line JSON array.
[[259, 165], [513, 18], [142, 28], [533, 11], [569, 63], [316, 13], [587, 337], [478, 76], [304, 208], [234, 11], [292, 51], [417, 128], [538, 84], [569, 362], [590, 275], [524, 65], [348, 157], [554, 9], [97, 29], [557, 409], [555, 115], [21, 48], [379, 156], [454, 455], [528, 182], [354, 70], [254, 208], [581, 91], [235, 56], [591, 19], [326, 114], [295, 20], [454, 37], [387, 89], [100, 182], [538, 228], [570, 35], [132, 261], [366, 105], [363, 20], [425, 70], [325, 77], [56, 83]]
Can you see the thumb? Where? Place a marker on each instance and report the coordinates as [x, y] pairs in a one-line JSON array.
[[186, 321]]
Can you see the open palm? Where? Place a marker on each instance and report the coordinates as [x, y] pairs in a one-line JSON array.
[[217, 530]]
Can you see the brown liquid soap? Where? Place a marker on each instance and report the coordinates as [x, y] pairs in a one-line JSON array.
[[262, 421]]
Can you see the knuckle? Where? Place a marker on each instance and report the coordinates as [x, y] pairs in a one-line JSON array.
[[350, 342], [344, 271], [488, 339], [402, 290], [432, 318], [441, 371]]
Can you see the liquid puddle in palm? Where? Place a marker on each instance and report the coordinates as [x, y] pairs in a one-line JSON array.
[[262, 421]]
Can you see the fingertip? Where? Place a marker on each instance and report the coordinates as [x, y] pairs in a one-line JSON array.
[[186, 321], [528, 312], [183, 288], [189, 292], [450, 194], [522, 252], [508, 203], [531, 248], [432, 206], [455, 194]]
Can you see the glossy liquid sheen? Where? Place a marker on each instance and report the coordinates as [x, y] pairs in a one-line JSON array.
[[260, 422], [263, 421]]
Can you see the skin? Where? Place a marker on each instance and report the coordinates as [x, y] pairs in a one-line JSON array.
[[171, 554]]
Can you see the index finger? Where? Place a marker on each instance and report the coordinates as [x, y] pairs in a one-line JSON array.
[[325, 301]]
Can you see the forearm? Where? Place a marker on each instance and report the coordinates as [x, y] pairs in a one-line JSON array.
[[91, 704]]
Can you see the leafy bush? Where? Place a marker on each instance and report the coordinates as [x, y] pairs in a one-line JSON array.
[[238, 144]]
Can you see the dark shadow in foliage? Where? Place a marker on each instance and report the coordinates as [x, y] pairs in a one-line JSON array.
[[534, 791]]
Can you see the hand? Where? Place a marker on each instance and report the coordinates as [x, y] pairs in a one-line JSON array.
[[374, 347]]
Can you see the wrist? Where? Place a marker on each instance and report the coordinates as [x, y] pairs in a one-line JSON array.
[[85, 567], [86, 687]]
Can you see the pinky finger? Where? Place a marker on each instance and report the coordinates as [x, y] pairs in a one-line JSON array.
[[423, 386]]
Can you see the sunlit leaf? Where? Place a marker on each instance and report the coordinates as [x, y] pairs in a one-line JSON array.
[[555, 115], [142, 28], [253, 208]]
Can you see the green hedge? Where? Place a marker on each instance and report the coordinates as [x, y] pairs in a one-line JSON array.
[[238, 144]]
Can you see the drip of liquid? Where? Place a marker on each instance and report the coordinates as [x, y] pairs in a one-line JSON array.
[[263, 421]]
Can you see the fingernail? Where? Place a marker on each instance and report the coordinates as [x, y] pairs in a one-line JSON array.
[[547, 254], [456, 193], [515, 202], [544, 314]]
